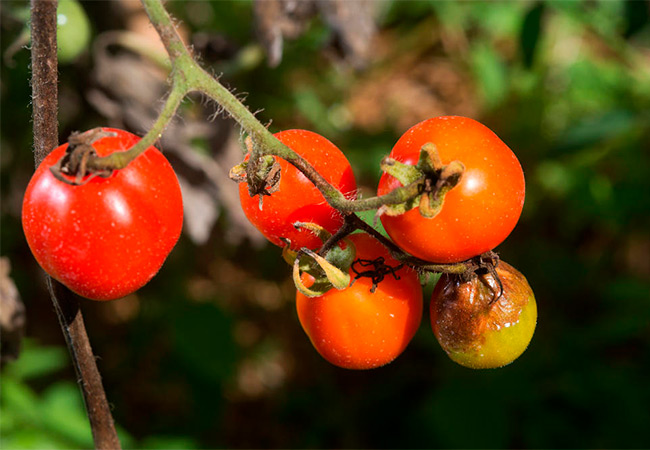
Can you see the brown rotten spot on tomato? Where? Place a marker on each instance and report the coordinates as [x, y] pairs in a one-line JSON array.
[[485, 320]]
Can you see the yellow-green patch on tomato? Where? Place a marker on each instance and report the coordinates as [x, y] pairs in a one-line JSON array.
[[501, 347], [485, 321]]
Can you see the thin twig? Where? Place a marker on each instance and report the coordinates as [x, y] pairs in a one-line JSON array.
[[66, 304]]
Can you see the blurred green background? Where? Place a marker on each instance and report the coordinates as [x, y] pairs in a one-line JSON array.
[[210, 353]]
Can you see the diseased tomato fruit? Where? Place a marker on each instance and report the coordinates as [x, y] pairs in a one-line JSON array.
[[477, 329], [355, 328], [478, 213], [297, 199], [108, 237]]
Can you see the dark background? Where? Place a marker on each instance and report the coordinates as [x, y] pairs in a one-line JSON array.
[[210, 353]]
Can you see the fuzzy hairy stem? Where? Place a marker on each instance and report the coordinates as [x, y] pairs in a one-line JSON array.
[[192, 77], [189, 74], [197, 79], [66, 305], [119, 160]]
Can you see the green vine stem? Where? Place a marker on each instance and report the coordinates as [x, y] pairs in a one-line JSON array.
[[119, 160], [195, 78], [398, 253], [189, 76]]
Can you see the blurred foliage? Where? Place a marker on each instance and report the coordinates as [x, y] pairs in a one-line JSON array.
[[37, 415], [210, 353]]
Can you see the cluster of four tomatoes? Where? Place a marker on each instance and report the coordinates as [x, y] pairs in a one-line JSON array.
[[483, 317]]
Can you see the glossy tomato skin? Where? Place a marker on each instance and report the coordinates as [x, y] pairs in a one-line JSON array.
[[108, 237], [297, 199], [477, 214], [357, 329]]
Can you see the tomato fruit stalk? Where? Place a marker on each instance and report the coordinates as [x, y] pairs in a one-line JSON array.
[[368, 324], [484, 322], [479, 212], [107, 237]]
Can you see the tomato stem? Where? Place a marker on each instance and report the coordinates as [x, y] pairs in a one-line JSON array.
[[188, 76], [354, 222], [43, 19], [195, 78], [119, 160]]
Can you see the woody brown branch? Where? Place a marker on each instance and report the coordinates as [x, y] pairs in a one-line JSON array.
[[66, 305]]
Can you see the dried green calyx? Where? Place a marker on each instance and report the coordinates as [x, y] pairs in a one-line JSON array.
[[76, 161], [315, 274], [435, 179], [261, 173]]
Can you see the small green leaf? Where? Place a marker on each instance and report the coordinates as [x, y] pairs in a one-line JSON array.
[[315, 229], [404, 173], [316, 290]]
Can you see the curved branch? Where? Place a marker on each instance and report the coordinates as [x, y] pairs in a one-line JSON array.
[[119, 160], [199, 80]]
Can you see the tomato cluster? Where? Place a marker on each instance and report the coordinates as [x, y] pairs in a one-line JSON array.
[[370, 322], [106, 236]]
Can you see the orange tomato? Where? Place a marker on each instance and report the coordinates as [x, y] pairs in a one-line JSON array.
[[477, 214], [355, 328], [297, 199]]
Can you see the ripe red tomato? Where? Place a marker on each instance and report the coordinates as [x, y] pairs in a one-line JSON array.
[[477, 214], [358, 329], [108, 237], [297, 199]]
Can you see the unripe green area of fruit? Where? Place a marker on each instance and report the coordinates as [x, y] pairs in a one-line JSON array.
[[486, 321], [501, 347]]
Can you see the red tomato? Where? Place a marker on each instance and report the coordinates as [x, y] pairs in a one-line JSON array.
[[108, 237], [297, 199], [358, 329], [477, 214]]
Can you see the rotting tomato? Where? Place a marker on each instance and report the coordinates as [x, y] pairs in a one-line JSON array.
[[478, 213], [482, 323], [355, 328], [297, 199], [108, 237]]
